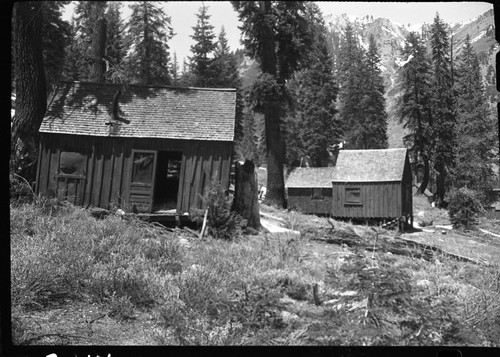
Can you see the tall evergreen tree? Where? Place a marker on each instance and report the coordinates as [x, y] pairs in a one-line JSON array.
[[149, 30], [91, 38], [56, 37], [31, 97], [115, 45], [373, 104], [202, 49], [174, 70], [351, 91], [314, 126], [223, 69], [74, 61], [443, 116], [476, 136], [414, 103], [275, 33]]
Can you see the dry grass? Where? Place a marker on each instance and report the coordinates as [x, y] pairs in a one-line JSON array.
[[110, 279]]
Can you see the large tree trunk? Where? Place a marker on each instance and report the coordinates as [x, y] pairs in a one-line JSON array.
[[275, 194], [31, 96], [425, 178], [246, 192], [97, 51]]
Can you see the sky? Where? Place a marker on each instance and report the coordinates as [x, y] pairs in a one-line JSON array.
[[183, 16]]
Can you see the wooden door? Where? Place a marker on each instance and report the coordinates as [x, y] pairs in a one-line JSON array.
[[142, 180]]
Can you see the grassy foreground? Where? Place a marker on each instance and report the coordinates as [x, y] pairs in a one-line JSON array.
[[79, 280]]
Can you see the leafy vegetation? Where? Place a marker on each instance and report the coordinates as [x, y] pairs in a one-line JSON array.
[[274, 289]]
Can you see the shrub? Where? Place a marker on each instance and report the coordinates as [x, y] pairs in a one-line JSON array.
[[222, 223], [464, 206]]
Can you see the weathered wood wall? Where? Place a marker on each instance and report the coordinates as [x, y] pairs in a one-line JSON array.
[[301, 200], [109, 162], [378, 200]]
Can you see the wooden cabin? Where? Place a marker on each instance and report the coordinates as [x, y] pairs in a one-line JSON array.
[[309, 190], [372, 184], [144, 149], [364, 184]]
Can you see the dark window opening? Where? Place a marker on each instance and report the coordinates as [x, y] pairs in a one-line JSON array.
[[317, 193], [167, 180], [72, 163], [353, 195]]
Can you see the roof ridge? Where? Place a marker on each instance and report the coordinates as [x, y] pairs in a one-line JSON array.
[[149, 86]]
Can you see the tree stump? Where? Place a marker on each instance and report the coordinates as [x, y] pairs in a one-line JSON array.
[[245, 201]]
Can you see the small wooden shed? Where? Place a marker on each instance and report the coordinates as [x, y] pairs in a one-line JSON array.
[[144, 149], [372, 184], [310, 189]]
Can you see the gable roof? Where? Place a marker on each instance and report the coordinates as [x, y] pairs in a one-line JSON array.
[[370, 165], [353, 166], [153, 111], [304, 177]]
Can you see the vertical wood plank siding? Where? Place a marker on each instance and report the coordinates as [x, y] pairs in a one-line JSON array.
[[109, 163], [301, 199], [378, 200]]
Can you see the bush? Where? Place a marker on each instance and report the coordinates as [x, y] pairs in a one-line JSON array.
[[222, 223], [464, 206]]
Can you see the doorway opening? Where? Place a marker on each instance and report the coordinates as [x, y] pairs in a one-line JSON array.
[[167, 182]]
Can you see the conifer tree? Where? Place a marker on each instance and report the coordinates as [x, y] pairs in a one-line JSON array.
[[174, 70], [373, 104], [351, 88], [56, 36], [74, 60], [275, 33], [443, 116], [414, 103], [115, 45], [475, 130], [314, 126], [90, 35], [223, 69], [148, 33], [203, 49]]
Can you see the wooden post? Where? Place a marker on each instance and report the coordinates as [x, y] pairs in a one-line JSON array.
[[246, 193]]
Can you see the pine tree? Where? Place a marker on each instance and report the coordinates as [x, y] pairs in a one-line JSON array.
[[115, 45], [148, 33], [74, 60], [414, 103], [90, 33], [275, 33], [373, 104], [351, 94], [203, 49], [475, 130], [56, 37], [314, 126], [443, 116], [174, 70], [223, 69]]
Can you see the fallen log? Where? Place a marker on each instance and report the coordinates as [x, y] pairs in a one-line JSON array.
[[398, 246]]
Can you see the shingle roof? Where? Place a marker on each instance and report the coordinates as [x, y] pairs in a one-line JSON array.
[[370, 165], [355, 166], [153, 111], [303, 177]]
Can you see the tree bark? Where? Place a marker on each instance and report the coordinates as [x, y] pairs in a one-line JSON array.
[[31, 96], [275, 194], [97, 51], [246, 192]]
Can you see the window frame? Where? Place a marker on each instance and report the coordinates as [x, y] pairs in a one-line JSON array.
[[315, 195], [349, 201]]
